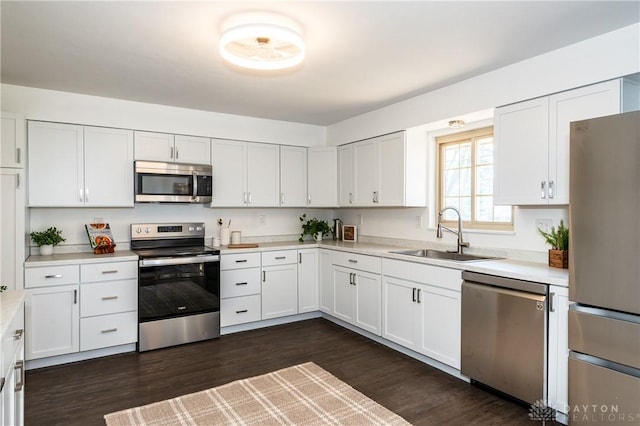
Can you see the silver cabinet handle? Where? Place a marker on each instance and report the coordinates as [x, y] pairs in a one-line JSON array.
[[18, 334], [20, 384], [2, 381], [350, 197], [308, 198], [18, 156], [111, 271], [414, 295], [75, 297], [299, 257], [245, 197], [242, 311], [543, 191], [281, 257], [81, 195], [355, 281], [18, 180], [170, 152], [551, 307], [109, 330], [249, 197], [418, 298], [375, 196], [177, 153], [551, 183], [350, 278], [264, 276], [245, 283], [353, 261], [282, 198], [241, 261], [109, 297], [86, 194], [53, 276]]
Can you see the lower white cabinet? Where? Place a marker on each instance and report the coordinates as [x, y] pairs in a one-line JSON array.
[[80, 307], [52, 321], [421, 309], [279, 284], [558, 397], [12, 385], [308, 278], [240, 310], [357, 292]]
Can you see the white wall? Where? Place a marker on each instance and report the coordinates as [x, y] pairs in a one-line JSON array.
[[611, 55], [51, 105]]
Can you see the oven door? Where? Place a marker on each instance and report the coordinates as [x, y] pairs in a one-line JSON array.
[[178, 286]]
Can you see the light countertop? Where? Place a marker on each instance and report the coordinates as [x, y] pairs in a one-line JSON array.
[[10, 302], [75, 258]]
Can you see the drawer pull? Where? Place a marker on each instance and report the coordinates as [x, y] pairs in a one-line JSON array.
[[53, 276], [241, 261], [2, 380], [281, 257], [20, 366], [18, 334], [242, 311], [109, 330], [112, 271], [109, 297], [242, 283], [353, 261]]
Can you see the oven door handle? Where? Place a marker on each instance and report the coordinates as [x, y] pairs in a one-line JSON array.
[[163, 261]]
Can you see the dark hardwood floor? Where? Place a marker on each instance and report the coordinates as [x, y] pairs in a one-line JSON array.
[[81, 393]]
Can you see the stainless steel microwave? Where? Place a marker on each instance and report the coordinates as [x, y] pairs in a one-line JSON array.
[[158, 182]]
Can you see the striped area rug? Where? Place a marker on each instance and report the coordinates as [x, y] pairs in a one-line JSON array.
[[301, 395]]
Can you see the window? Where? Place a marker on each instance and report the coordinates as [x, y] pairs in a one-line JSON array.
[[465, 180]]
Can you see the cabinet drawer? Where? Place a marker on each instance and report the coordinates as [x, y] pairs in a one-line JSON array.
[[108, 330], [239, 282], [109, 271], [51, 275], [358, 261], [240, 310], [240, 260], [108, 298], [280, 257], [11, 341], [424, 274]]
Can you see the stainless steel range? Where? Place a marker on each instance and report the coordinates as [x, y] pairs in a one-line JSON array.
[[178, 284]]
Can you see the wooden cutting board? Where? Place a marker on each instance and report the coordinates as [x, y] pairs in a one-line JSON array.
[[244, 245]]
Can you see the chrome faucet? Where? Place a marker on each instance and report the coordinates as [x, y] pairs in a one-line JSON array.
[[461, 243]]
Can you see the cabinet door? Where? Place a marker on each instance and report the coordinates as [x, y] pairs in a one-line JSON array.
[[440, 320], [293, 176], [192, 149], [308, 292], [154, 146], [263, 175], [367, 172], [325, 277], [345, 176], [558, 348], [399, 322], [343, 294], [322, 177], [229, 161], [592, 101], [368, 306], [52, 321], [56, 165], [12, 236], [279, 291], [392, 170], [12, 141], [522, 153], [108, 171]]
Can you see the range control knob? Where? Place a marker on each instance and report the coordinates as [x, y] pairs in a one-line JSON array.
[[147, 230], [138, 230], [198, 228], [191, 229]]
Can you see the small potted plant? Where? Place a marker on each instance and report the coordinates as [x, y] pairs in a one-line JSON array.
[[314, 227], [558, 239], [47, 239]]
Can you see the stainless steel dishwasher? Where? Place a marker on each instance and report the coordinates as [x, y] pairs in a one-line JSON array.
[[504, 329]]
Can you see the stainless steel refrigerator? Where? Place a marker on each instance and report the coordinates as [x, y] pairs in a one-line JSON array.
[[604, 271]]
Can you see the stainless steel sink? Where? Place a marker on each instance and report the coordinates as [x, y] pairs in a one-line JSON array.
[[444, 255]]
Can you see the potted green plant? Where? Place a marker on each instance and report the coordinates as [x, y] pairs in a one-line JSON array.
[[314, 227], [47, 239], [558, 239]]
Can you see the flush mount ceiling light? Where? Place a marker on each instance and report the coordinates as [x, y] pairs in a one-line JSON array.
[[261, 41], [456, 124]]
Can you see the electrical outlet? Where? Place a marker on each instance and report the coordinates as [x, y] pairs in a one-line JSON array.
[[419, 222], [544, 224], [262, 219], [360, 220]]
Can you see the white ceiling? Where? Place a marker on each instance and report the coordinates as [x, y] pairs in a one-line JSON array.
[[360, 55]]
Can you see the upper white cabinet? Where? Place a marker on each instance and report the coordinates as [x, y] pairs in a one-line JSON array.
[[532, 142], [245, 174], [12, 148], [388, 170], [79, 166], [172, 148], [322, 175], [293, 176]]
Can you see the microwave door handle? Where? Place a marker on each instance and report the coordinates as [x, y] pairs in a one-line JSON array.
[[195, 186]]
